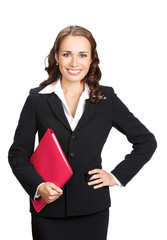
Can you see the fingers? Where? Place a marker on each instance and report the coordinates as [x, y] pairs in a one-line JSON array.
[[99, 186], [98, 181], [50, 192], [97, 170], [101, 178], [95, 176], [56, 188]]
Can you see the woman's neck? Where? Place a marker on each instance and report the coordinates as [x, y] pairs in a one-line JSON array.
[[72, 88]]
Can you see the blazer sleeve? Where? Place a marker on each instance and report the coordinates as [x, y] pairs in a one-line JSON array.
[[144, 142], [22, 148]]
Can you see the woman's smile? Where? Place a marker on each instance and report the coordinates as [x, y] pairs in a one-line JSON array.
[[74, 72]]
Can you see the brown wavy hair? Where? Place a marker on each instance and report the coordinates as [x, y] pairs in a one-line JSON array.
[[93, 76]]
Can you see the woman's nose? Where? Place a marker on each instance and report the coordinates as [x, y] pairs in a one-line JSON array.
[[74, 62]]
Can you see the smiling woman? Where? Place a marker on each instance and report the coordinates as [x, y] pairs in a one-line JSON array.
[[76, 60], [75, 51], [81, 113]]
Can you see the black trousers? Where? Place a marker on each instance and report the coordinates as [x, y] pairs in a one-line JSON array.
[[87, 227]]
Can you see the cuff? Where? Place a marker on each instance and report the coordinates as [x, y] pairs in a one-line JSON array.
[[36, 193], [117, 181]]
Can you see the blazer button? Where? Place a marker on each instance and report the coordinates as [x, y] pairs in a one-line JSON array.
[[72, 155], [73, 138]]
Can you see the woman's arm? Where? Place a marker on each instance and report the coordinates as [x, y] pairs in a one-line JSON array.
[[144, 142], [23, 147]]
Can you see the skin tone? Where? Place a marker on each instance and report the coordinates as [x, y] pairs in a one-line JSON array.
[[74, 59]]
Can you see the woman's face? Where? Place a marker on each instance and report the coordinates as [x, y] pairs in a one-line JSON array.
[[74, 58]]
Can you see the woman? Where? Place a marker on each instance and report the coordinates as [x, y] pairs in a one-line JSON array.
[[81, 113]]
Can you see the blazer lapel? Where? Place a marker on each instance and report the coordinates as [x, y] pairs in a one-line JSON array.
[[57, 108], [87, 114]]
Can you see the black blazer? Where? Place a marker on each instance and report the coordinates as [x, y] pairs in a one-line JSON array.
[[82, 148]]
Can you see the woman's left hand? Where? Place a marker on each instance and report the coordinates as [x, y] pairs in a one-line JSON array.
[[102, 178]]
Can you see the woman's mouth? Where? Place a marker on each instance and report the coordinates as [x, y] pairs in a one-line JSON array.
[[74, 71]]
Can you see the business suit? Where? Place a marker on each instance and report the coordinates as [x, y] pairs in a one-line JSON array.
[[82, 148]]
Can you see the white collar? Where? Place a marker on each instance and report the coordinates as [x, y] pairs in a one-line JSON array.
[[57, 89]]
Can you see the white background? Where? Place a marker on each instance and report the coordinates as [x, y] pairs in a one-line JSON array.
[[132, 46]]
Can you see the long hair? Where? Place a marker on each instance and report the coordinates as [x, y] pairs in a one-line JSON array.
[[93, 76]]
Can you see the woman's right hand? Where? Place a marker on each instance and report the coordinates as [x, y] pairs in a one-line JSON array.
[[49, 192]]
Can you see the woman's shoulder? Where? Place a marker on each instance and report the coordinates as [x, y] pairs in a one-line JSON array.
[[34, 94], [108, 90], [36, 89]]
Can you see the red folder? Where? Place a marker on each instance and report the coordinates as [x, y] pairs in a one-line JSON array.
[[51, 164]]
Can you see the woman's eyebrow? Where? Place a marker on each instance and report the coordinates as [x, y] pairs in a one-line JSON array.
[[71, 52]]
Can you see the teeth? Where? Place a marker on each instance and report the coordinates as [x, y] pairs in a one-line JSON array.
[[74, 71]]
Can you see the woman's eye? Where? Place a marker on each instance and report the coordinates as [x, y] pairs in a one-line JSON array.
[[66, 54], [83, 55]]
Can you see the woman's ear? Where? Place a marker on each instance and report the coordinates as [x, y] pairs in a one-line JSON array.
[[56, 57]]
